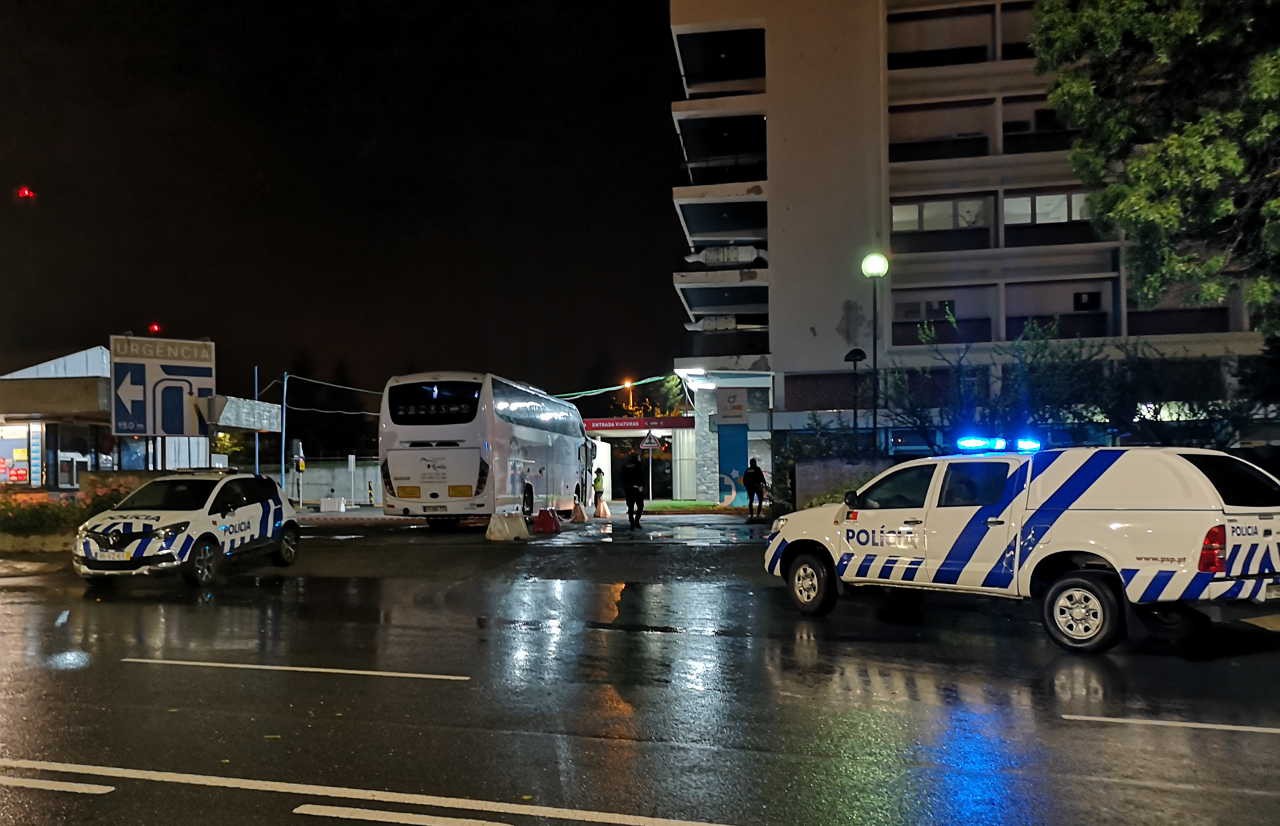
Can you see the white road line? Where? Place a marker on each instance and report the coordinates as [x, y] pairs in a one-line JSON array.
[[54, 785], [1139, 721], [256, 667], [343, 792], [378, 816]]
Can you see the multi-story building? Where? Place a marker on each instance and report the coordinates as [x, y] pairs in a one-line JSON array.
[[817, 131]]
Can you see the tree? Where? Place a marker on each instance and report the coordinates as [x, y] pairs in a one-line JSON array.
[[1177, 103]]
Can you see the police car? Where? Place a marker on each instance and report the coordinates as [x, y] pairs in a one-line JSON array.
[[1098, 535], [190, 523]]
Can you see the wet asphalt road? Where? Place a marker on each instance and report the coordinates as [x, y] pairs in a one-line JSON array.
[[658, 677]]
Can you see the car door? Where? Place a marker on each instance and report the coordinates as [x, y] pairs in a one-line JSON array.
[[970, 541], [883, 537], [232, 516]]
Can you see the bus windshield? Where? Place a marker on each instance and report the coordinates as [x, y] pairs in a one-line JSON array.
[[433, 402]]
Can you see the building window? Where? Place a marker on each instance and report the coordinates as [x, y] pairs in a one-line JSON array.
[[1051, 209], [906, 217], [932, 216], [1046, 208]]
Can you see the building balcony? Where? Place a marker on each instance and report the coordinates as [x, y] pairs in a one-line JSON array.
[[1065, 325], [1181, 320], [1041, 235], [971, 146], [975, 238], [718, 345], [1057, 140], [961, 331]]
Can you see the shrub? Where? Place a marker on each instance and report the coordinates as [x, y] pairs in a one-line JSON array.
[[25, 516]]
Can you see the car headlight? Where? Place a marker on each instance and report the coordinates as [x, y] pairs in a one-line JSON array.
[[170, 532], [778, 524]]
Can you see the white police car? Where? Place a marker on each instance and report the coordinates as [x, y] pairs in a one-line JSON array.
[[188, 522], [1097, 534]]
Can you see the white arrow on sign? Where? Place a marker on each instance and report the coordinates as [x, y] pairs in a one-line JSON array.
[[128, 392]]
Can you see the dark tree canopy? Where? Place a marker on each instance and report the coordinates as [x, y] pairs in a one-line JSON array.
[[1178, 107]]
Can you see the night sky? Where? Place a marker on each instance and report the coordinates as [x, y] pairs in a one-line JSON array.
[[353, 188]]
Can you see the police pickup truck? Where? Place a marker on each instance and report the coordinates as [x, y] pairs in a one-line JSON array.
[[191, 523], [1095, 534]]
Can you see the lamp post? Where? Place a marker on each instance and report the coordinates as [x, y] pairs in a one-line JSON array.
[[875, 266], [854, 356]]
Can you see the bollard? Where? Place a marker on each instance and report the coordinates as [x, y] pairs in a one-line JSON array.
[[507, 527]]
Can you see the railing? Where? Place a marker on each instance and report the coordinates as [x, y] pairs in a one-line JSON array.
[[975, 238], [1035, 235], [1191, 320], [1016, 143], [1066, 325], [727, 344], [938, 148], [924, 58], [907, 333], [727, 169]]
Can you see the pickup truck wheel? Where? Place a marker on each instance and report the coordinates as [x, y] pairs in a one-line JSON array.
[[1082, 613], [810, 584]]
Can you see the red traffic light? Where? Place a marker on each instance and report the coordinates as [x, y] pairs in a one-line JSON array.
[[25, 193], [154, 328]]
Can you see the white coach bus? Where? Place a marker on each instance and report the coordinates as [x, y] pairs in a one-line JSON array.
[[455, 445]]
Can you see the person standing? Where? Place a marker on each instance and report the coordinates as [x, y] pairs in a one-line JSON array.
[[753, 480], [598, 487], [633, 480]]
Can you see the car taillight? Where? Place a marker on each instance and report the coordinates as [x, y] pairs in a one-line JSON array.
[[1215, 542], [482, 478], [386, 479]]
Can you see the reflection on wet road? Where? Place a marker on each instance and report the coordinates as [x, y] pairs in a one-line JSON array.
[[612, 676]]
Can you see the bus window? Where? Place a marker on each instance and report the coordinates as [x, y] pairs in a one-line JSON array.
[[433, 402]]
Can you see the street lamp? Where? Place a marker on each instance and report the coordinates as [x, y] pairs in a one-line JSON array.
[[854, 357], [631, 402], [875, 266]]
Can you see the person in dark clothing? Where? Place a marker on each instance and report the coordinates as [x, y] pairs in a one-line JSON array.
[[633, 481], [753, 480]]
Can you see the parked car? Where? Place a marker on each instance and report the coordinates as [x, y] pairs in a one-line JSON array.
[[191, 523]]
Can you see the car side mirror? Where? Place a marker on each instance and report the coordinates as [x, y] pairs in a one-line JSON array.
[[851, 499]]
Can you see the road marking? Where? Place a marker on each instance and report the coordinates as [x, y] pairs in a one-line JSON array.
[[55, 785], [378, 816], [1138, 721], [256, 667], [347, 793]]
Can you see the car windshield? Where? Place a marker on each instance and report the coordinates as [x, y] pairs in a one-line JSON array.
[[170, 495]]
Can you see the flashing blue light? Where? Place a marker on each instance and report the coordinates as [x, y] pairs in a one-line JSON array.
[[1027, 445], [979, 443]]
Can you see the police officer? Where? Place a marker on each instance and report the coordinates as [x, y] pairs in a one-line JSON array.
[[753, 481], [633, 480]]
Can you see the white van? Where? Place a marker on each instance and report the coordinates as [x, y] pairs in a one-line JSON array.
[[1080, 529]]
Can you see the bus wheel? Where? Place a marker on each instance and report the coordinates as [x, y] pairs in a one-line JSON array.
[[528, 500]]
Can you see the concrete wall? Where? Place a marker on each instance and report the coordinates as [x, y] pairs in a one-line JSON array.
[[707, 459], [324, 475]]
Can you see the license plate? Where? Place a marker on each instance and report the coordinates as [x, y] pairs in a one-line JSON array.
[[434, 508], [111, 556], [459, 491], [1272, 592], [409, 492]]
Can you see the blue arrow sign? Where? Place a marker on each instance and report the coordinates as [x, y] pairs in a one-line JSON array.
[[129, 397]]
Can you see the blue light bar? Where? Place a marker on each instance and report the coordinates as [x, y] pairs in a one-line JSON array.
[[1027, 445], [979, 443]]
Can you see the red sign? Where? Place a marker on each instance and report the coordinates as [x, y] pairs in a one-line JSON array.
[[18, 474], [623, 423]]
